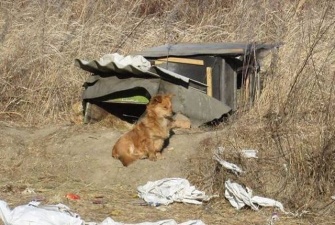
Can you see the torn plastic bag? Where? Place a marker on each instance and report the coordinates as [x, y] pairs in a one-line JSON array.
[[166, 191], [239, 196], [230, 166], [249, 153], [33, 214]]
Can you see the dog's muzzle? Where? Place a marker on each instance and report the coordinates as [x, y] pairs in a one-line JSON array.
[[170, 117]]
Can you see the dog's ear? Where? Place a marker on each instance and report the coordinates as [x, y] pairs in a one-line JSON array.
[[157, 99], [171, 95]]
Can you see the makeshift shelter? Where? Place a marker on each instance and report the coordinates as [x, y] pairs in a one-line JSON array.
[[204, 78]]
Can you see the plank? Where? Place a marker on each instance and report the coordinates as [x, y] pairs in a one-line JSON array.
[[209, 81], [180, 60]]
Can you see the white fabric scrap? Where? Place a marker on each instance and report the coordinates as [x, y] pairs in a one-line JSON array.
[[230, 166], [34, 214], [250, 153], [168, 190], [109, 221], [239, 196]]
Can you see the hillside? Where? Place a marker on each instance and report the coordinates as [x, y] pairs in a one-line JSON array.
[[291, 124]]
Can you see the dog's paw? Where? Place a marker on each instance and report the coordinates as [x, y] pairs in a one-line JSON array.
[[159, 156], [143, 157], [152, 157]]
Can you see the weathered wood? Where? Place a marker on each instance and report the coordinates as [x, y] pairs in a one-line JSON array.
[[209, 81], [180, 60]]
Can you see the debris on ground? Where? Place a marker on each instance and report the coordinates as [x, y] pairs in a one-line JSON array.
[[36, 214], [238, 196], [230, 166], [169, 190], [249, 153], [72, 196]]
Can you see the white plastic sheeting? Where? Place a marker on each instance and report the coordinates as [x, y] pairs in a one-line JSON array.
[[249, 153], [169, 190], [238, 196], [35, 214], [230, 166], [109, 221]]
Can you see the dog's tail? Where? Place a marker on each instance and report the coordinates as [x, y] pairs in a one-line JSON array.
[[125, 158]]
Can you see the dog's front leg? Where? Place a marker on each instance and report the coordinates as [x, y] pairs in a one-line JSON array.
[[152, 156], [152, 152]]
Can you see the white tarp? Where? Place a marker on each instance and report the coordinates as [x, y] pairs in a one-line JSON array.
[[239, 196], [36, 214], [166, 191]]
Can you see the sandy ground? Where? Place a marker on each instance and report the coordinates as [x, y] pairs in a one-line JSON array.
[[52, 161]]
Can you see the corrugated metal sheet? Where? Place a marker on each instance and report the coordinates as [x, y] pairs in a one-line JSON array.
[[192, 49], [137, 65], [112, 64], [116, 77]]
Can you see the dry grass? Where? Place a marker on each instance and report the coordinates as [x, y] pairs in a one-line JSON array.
[[292, 123], [40, 40]]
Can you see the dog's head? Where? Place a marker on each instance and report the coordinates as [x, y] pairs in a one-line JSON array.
[[161, 105]]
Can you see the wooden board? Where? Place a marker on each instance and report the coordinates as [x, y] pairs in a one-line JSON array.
[[180, 60], [209, 81]]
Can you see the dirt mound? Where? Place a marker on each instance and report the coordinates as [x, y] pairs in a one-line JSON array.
[[83, 152], [47, 163]]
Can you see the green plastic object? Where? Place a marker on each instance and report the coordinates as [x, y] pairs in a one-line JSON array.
[[137, 99]]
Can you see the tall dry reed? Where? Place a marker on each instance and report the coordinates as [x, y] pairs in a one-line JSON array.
[[291, 124]]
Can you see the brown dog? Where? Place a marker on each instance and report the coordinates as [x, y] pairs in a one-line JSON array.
[[147, 137]]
